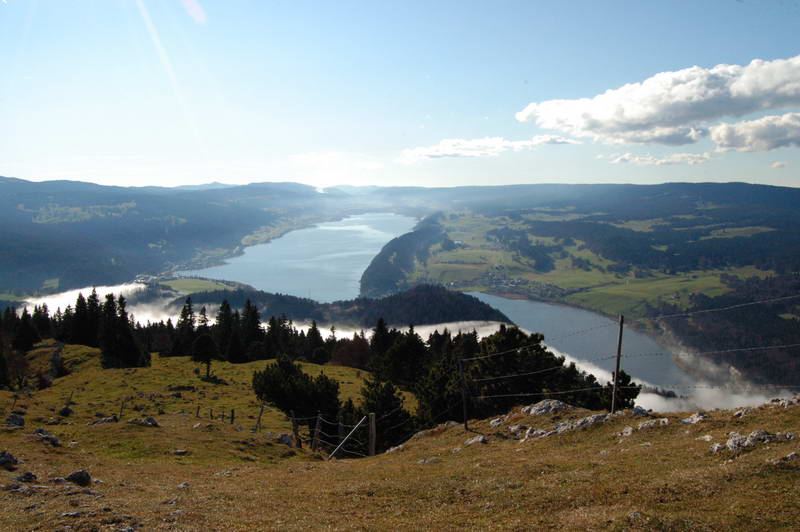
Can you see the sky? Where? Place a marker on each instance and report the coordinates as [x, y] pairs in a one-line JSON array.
[[444, 93]]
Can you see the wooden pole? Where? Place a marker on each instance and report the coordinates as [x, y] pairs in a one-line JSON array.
[[463, 393], [211, 413], [233, 415], [372, 434], [260, 413], [616, 372], [317, 428], [121, 409], [197, 413], [298, 443], [222, 416]]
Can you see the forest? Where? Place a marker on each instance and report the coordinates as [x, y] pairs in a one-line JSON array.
[[494, 373]]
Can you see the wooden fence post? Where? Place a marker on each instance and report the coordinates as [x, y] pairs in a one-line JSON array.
[[298, 443], [340, 432], [372, 433], [315, 443], [211, 413], [197, 413], [121, 409], [233, 414], [260, 413]]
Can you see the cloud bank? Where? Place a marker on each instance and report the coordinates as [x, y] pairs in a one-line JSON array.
[[649, 160], [485, 147], [678, 108]]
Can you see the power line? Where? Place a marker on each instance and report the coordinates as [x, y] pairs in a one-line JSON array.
[[740, 305], [519, 374], [541, 393]]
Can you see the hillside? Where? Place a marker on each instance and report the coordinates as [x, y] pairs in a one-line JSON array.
[[420, 305], [595, 477]]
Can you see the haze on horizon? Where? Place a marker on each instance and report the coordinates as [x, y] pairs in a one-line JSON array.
[[179, 92]]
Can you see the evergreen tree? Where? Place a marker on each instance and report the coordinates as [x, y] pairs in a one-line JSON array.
[[184, 337], [204, 350], [223, 326], [315, 346], [202, 322], [250, 325], [81, 326], [25, 335], [94, 313], [394, 423]]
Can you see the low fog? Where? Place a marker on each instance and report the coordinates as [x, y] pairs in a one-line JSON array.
[[705, 394]]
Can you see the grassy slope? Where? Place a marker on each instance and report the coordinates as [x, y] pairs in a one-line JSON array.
[[602, 291], [665, 474]]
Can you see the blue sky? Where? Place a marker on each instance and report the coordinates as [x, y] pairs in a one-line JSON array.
[[171, 92]]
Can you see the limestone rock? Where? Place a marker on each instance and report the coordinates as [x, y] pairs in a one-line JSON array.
[[46, 436], [27, 477], [741, 413], [497, 422], [627, 431], [144, 422], [547, 406], [644, 425], [431, 460], [102, 421], [707, 437], [15, 420], [695, 418], [717, 447], [395, 449], [180, 452], [81, 478], [477, 439], [285, 439], [8, 460]]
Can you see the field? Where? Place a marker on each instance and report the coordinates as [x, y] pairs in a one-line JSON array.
[[663, 478], [190, 286], [482, 264]]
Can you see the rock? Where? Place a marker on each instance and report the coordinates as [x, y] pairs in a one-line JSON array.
[[15, 420], [46, 436], [639, 411], [759, 436], [112, 419], [547, 406], [395, 449], [431, 460], [627, 431], [533, 433], [517, 429], [81, 478], [182, 485], [58, 480], [707, 437], [455, 450], [695, 418], [180, 452], [71, 514], [736, 442], [477, 439], [285, 439], [717, 447], [27, 477], [603, 452], [144, 422], [65, 412], [741, 413], [497, 422], [223, 474], [567, 426], [792, 401], [8, 461], [197, 425], [653, 423]]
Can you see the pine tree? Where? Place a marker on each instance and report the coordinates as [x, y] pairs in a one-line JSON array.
[[25, 335], [251, 330], [395, 424], [204, 350], [185, 330], [223, 326]]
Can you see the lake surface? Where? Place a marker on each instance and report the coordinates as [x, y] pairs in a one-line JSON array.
[[596, 338], [324, 262]]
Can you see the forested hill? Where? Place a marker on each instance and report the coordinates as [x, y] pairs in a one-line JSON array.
[[421, 305]]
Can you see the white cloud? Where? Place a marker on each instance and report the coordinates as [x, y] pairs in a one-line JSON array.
[[673, 108], [778, 164], [649, 160], [485, 147], [763, 134]]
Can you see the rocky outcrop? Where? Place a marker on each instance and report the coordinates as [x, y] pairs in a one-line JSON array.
[[547, 406]]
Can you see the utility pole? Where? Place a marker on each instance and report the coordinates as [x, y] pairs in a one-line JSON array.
[[463, 392], [616, 372]]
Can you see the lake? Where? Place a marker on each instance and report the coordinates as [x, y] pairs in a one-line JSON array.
[[587, 336], [324, 262]]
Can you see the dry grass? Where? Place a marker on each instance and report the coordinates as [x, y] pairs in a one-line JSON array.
[[661, 479]]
